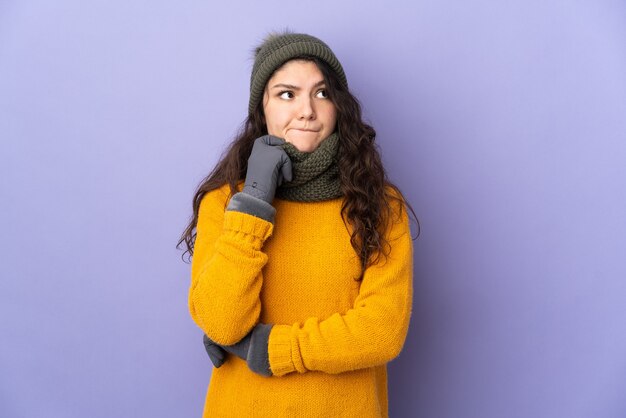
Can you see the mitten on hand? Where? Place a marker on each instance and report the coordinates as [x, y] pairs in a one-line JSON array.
[[216, 353], [258, 355], [268, 167], [252, 348]]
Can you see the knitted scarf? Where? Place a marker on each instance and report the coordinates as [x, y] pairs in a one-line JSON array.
[[315, 174]]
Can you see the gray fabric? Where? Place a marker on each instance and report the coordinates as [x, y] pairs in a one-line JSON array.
[[315, 173], [268, 167], [253, 348], [243, 202], [240, 349], [258, 354], [215, 352]]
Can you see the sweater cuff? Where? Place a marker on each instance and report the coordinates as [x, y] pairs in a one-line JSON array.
[[248, 227], [246, 203], [279, 350]]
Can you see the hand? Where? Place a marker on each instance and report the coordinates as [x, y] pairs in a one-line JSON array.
[[253, 348], [216, 353], [268, 166]]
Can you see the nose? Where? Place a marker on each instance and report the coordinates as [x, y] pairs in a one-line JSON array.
[[306, 109]]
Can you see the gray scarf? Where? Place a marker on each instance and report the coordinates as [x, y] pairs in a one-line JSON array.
[[315, 174]]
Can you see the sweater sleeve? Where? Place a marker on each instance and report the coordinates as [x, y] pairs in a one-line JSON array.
[[371, 333], [226, 275]]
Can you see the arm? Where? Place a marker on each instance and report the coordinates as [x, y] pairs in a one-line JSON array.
[[226, 272], [371, 333], [226, 267]]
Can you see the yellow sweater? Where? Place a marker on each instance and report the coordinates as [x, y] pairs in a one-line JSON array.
[[332, 336]]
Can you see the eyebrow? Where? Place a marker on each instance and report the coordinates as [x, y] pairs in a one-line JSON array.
[[292, 87]]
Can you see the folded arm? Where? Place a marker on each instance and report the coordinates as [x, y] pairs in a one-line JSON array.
[[371, 333], [226, 275]]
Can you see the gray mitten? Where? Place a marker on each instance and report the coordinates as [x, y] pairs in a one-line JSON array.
[[258, 355], [216, 353], [240, 349], [268, 167], [253, 348]]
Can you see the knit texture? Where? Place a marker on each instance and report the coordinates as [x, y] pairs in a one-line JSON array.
[[278, 49], [315, 174], [332, 336]]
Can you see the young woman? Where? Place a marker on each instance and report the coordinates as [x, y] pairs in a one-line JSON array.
[[301, 276]]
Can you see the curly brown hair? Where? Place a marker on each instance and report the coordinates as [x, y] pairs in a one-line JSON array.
[[364, 182]]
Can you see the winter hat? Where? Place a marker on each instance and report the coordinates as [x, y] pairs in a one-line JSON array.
[[277, 49]]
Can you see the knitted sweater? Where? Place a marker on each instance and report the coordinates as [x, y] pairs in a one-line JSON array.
[[332, 335]]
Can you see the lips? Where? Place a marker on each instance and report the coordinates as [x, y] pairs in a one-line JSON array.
[[306, 130]]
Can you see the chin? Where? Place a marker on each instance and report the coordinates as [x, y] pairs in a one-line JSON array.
[[310, 148], [304, 146]]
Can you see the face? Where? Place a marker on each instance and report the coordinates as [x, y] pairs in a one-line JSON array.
[[296, 106]]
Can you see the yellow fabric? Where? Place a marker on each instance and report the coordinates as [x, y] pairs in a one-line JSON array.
[[332, 336]]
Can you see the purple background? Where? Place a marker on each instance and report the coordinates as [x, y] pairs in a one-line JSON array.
[[503, 122]]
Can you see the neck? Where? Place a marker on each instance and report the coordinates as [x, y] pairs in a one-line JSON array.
[[315, 174]]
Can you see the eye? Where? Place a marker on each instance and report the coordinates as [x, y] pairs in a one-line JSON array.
[[285, 94], [322, 94]]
